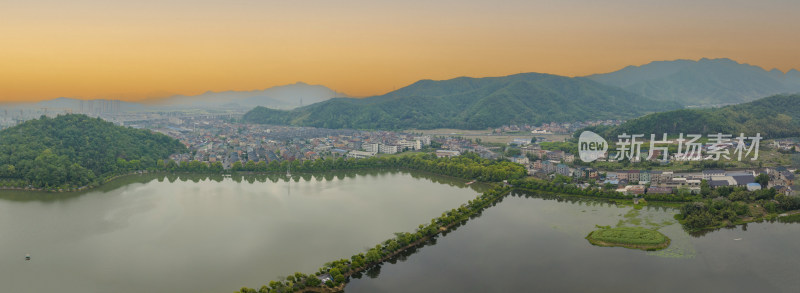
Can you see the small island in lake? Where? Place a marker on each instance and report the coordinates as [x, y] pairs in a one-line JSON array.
[[629, 237]]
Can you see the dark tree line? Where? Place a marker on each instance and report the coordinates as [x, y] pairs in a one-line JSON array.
[[467, 166], [725, 205], [606, 192]]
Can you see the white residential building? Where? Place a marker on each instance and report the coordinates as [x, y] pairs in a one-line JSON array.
[[406, 144], [425, 139], [388, 149], [373, 148]]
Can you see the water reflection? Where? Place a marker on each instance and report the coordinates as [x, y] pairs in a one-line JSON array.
[[535, 242], [207, 233], [375, 271], [251, 178]]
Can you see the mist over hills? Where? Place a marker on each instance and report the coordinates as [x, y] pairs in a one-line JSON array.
[[278, 97], [471, 103], [705, 82]]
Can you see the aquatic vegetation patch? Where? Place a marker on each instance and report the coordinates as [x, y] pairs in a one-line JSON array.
[[629, 237]]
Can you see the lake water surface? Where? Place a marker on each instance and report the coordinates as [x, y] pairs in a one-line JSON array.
[[157, 233], [538, 245], [198, 234]]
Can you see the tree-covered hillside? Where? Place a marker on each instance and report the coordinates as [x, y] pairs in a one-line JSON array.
[[773, 117], [471, 103], [75, 150]]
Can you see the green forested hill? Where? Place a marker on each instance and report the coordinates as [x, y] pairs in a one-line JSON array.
[[471, 103], [773, 117], [76, 150]]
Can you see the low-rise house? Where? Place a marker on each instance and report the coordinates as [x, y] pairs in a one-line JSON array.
[[786, 177], [520, 160], [360, 154], [707, 174], [529, 149], [563, 170], [743, 180], [718, 183], [659, 190], [644, 176], [753, 186], [555, 155], [634, 189]]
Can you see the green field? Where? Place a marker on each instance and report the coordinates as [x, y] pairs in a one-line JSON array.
[[629, 237]]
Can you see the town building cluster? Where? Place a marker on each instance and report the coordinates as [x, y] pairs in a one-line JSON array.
[[549, 163], [218, 139]]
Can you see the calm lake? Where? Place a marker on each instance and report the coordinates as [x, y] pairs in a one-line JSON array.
[[538, 245], [157, 233]]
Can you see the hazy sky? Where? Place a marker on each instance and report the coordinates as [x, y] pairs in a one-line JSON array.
[[138, 49]]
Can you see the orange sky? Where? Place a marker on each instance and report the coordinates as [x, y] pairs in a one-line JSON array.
[[138, 49]]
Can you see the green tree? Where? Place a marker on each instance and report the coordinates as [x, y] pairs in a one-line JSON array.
[[237, 166], [762, 179], [79, 150], [705, 188], [313, 281]]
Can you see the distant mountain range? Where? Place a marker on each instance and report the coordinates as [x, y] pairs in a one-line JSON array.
[[774, 117], [478, 103], [472, 103], [705, 82], [278, 97]]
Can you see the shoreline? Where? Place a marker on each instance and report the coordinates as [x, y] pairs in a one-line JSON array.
[[145, 172]]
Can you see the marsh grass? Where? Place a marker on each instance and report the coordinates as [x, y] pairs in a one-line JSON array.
[[629, 237]]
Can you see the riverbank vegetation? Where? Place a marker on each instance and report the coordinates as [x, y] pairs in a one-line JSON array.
[[728, 206], [629, 237], [467, 166], [598, 192], [712, 208], [793, 218]]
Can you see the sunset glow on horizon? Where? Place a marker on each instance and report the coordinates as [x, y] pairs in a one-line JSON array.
[[134, 50]]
